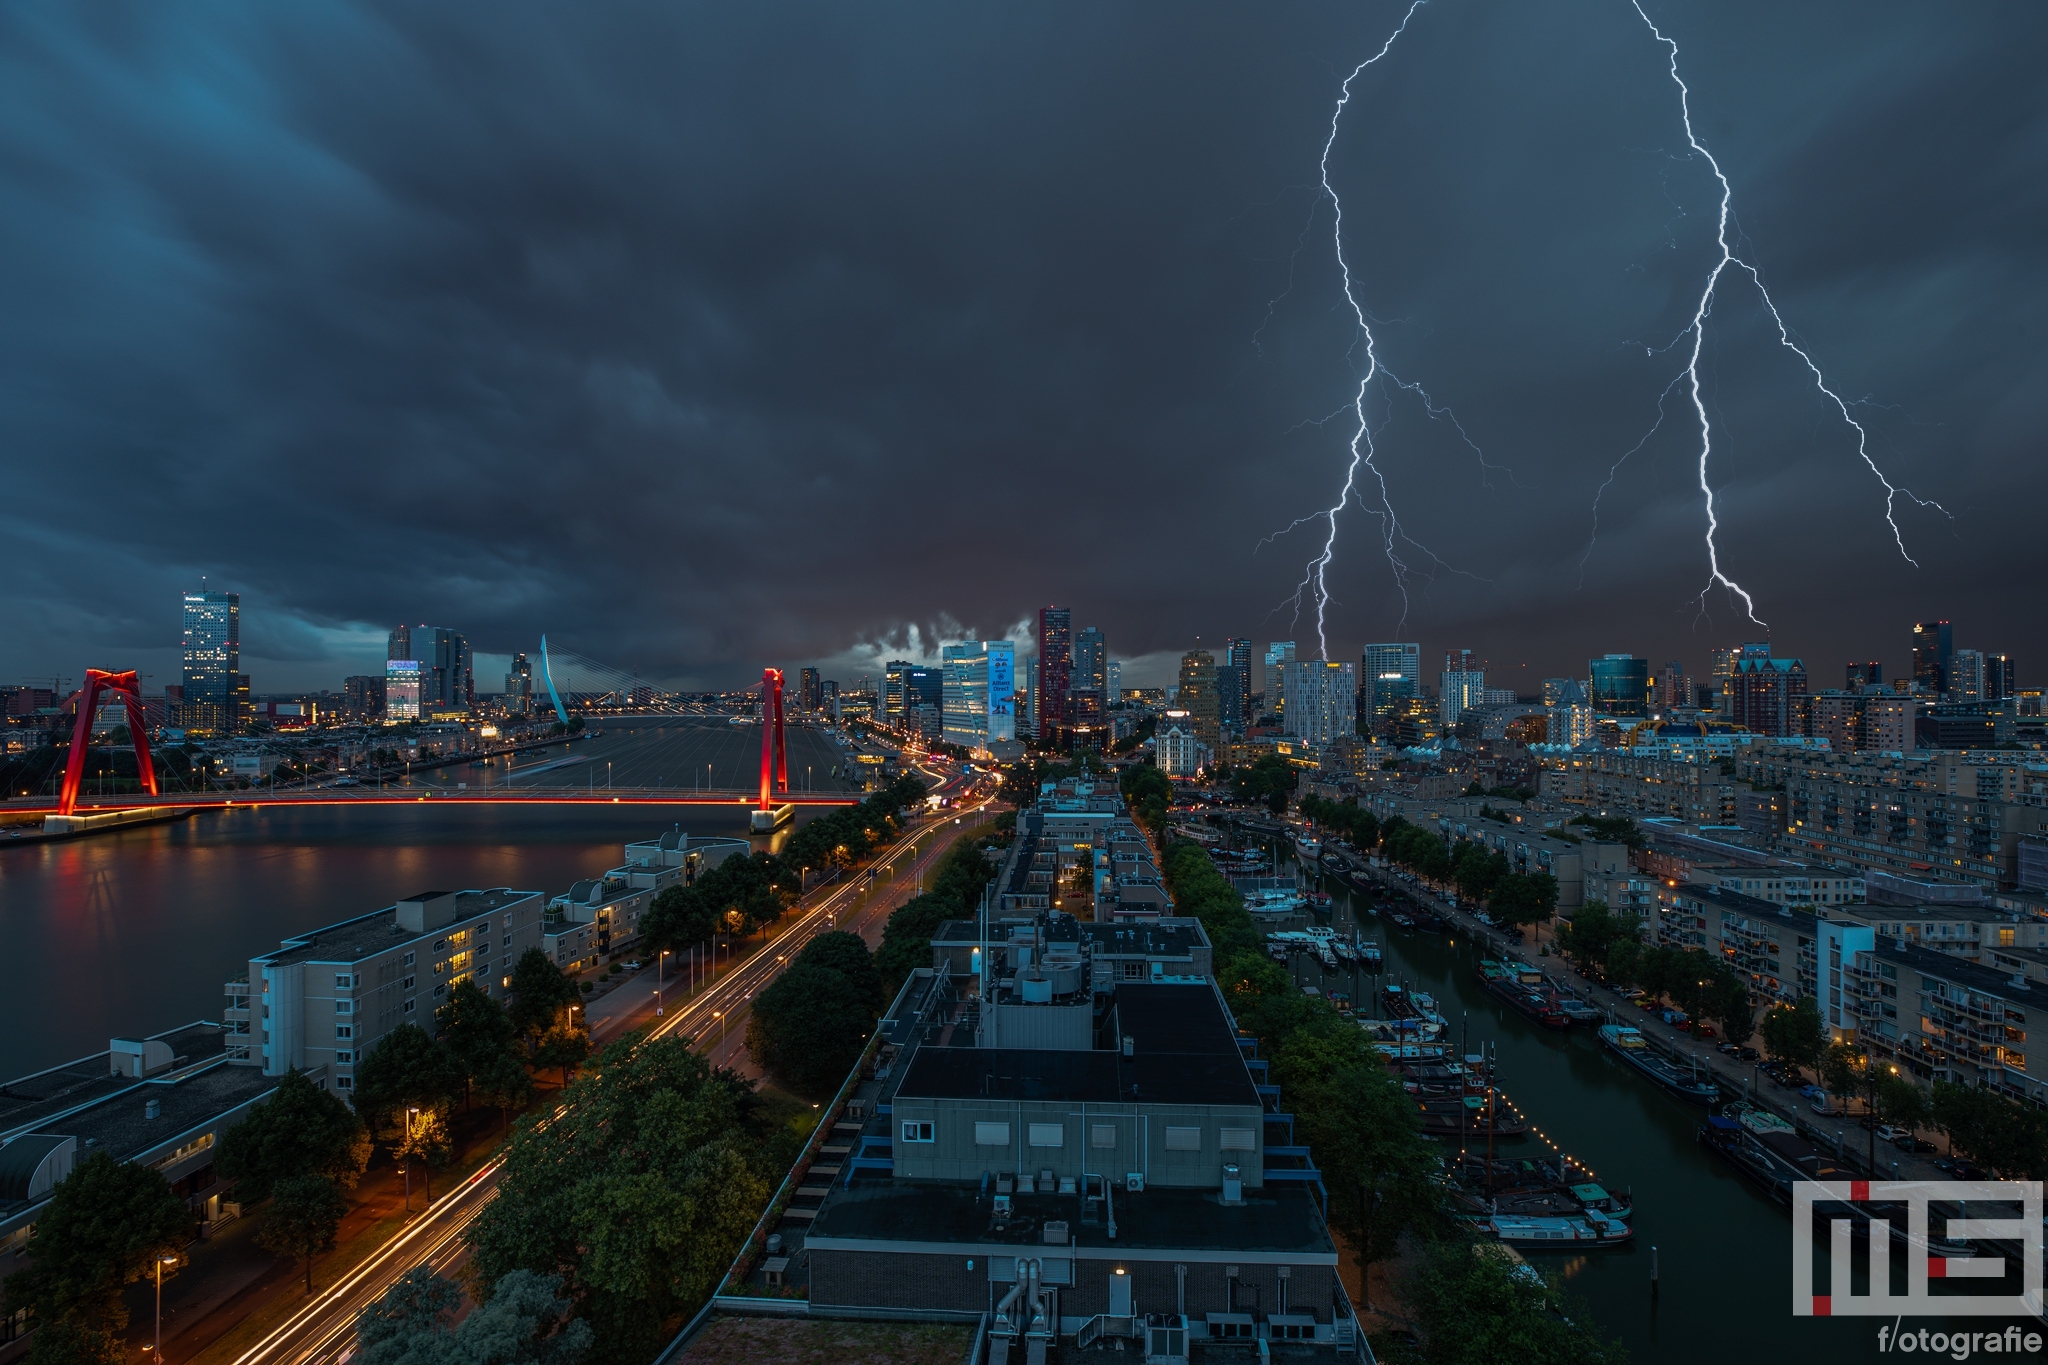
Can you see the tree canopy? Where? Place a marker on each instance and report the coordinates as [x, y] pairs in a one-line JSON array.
[[404, 1071], [300, 1130], [525, 1321], [106, 1225], [809, 1026], [637, 1195]]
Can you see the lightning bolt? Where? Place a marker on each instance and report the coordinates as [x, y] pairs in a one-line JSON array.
[[1691, 373], [1361, 450]]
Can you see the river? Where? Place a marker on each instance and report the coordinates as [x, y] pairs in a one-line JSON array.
[[136, 931], [1723, 1247]]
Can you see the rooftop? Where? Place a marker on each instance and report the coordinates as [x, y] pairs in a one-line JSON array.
[[29, 1102], [355, 939]]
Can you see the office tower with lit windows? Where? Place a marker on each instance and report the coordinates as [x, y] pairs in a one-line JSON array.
[[808, 697], [1055, 666], [1235, 692], [1278, 654], [1322, 699], [1389, 674], [894, 705], [1933, 643], [1197, 695], [213, 660], [1999, 682], [1769, 696], [978, 685], [1965, 677], [1464, 685], [445, 684]]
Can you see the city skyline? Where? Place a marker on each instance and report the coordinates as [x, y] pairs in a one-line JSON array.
[[341, 477]]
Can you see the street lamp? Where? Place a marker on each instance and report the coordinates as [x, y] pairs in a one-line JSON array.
[[161, 1262], [408, 1157]]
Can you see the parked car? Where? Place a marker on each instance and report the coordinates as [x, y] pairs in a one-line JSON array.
[[1703, 1030], [1807, 1092], [1748, 1054], [1959, 1168], [1890, 1133], [1909, 1143]]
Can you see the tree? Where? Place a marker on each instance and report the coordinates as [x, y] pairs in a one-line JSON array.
[[809, 1027], [477, 1033], [1727, 999], [504, 1084], [300, 1130], [2007, 1138], [1901, 1101], [305, 1211], [1524, 898], [541, 991], [637, 1195], [563, 1046], [846, 954], [1592, 936], [404, 1071], [1479, 1307], [523, 1322], [105, 1226], [1795, 1033]]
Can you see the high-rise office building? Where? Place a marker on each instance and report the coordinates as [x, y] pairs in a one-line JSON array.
[[1620, 685], [978, 683], [1322, 700], [1115, 669], [519, 685], [1088, 688], [1860, 676], [807, 695], [1055, 666], [1769, 696], [1965, 676], [1278, 654], [362, 697], [401, 689], [1389, 674], [1027, 724], [1933, 643], [1999, 681], [1464, 685], [1676, 687], [894, 704], [1230, 700], [445, 684], [1197, 694], [213, 661], [1235, 693]]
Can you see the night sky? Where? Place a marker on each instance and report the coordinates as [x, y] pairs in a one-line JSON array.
[[707, 337]]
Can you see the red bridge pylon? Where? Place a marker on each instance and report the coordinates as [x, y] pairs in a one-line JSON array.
[[774, 747], [124, 686]]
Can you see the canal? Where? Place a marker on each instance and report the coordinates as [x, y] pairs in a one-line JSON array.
[[136, 931], [1723, 1247]]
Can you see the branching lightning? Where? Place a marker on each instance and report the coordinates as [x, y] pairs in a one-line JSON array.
[[1314, 583], [1691, 373]]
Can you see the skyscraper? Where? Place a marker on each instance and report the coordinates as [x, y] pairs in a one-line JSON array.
[[1278, 653], [1933, 643], [1088, 689], [1197, 694], [978, 690], [1865, 675], [1322, 700], [1464, 685], [1237, 658], [1999, 682], [1389, 674], [894, 705], [519, 684], [444, 667], [1055, 666], [1966, 676], [213, 660], [1769, 696], [1115, 670], [1621, 684], [807, 695]]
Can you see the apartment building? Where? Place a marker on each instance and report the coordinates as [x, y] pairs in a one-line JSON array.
[[1782, 884], [600, 916], [323, 999], [1939, 815], [1776, 947], [1942, 1017], [1618, 782]]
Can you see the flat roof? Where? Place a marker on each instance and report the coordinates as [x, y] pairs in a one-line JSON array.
[[1754, 906], [1961, 971], [352, 940], [1183, 1052], [29, 1101], [1278, 1219]]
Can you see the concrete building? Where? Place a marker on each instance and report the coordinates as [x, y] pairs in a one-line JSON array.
[[1197, 696], [212, 663], [1278, 654], [446, 687], [1768, 696], [1388, 674], [1322, 700], [980, 686], [1177, 747], [1464, 686]]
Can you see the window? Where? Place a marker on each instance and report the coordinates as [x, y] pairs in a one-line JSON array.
[[439, 944], [2005, 937], [917, 1130], [344, 1082], [344, 1007], [344, 1031], [1102, 1135], [342, 983], [407, 983], [1183, 1139], [1237, 1140], [508, 941], [440, 988], [409, 1006], [344, 1058], [991, 1134], [1048, 1134], [408, 959]]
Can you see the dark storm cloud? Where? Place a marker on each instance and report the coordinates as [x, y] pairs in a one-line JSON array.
[[703, 338]]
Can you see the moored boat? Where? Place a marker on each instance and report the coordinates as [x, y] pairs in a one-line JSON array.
[[1629, 1044], [1591, 1232]]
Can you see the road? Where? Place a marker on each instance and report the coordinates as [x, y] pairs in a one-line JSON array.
[[323, 1330]]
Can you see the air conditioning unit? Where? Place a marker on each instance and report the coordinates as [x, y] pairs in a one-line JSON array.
[[1135, 1182]]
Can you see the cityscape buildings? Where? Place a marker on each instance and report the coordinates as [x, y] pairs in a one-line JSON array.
[[978, 687], [444, 684], [1464, 686], [1322, 700], [1933, 643], [211, 681], [1277, 653], [1197, 695], [1055, 667], [1390, 674]]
